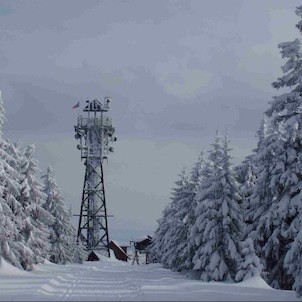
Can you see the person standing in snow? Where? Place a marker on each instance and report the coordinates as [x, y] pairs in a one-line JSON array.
[[136, 257]]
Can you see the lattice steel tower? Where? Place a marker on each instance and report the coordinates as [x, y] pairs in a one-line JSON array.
[[96, 133]]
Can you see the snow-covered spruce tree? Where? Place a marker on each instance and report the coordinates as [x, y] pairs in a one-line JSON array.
[[188, 252], [196, 231], [176, 235], [292, 262], [246, 171], [268, 226], [279, 226], [157, 247], [8, 228], [79, 254], [24, 254], [219, 218], [162, 243], [11, 247], [37, 220], [170, 243], [196, 170], [257, 200], [62, 233], [246, 177], [249, 264]]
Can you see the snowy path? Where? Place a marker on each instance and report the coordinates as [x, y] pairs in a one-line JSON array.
[[114, 280]]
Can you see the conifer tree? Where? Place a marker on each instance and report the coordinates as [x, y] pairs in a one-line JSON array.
[[62, 237], [188, 252], [79, 254], [171, 240], [247, 176], [157, 247], [196, 230], [249, 264], [8, 228], [282, 157], [36, 219], [10, 242], [24, 253], [196, 171], [257, 201], [176, 236], [292, 262], [219, 220]]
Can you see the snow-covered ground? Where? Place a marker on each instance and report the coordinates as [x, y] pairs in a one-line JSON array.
[[110, 279]]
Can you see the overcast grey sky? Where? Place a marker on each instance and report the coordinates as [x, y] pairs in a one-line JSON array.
[[176, 71]]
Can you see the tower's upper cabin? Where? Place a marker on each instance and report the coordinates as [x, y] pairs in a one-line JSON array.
[[95, 132], [94, 107]]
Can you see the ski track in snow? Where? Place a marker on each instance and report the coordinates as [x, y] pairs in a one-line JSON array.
[[111, 280]]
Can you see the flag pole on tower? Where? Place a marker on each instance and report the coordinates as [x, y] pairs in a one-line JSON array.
[[77, 105]]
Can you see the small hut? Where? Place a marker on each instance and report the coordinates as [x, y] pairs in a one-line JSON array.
[[93, 256], [119, 252], [142, 243]]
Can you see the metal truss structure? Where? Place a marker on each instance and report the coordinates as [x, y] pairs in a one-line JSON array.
[[96, 133]]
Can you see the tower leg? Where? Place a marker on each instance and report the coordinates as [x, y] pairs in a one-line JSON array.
[[93, 223]]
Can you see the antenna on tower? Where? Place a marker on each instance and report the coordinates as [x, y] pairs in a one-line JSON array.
[[95, 133]]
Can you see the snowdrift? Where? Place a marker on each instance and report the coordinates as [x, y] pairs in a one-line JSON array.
[[10, 270], [254, 282]]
